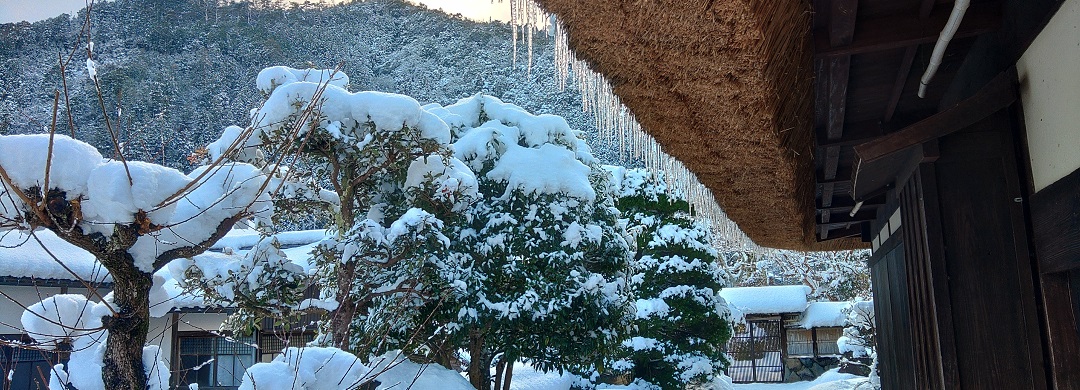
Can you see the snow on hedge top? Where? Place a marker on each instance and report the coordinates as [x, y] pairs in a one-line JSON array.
[[276, 76], [766, 300], [342, 112], [23, 257], [823, 314]]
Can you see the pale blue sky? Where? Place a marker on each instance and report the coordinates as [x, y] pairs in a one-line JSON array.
[[34, 10]]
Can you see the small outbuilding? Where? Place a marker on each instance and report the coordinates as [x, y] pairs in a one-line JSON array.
[[779, 336]]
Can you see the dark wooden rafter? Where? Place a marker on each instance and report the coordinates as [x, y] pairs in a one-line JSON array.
[[905, 66], [896, 32], [830, 233], [841, 32]]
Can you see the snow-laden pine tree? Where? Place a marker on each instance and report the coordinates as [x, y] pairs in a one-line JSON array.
[[682, 322], [392, 180], [541, 258]]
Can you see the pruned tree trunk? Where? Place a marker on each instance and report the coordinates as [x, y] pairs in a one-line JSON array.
[[123, 364]]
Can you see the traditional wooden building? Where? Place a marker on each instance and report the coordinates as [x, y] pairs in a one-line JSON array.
[[945, 135], [779, 336], [187, 334]]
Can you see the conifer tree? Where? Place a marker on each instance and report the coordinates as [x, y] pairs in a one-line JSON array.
[[682, 323], [542, 259]]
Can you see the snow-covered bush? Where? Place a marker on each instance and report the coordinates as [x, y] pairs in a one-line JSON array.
[[859, 342], [261, 283], [682, 322]]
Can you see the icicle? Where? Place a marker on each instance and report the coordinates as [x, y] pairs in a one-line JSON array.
[[618, 129]]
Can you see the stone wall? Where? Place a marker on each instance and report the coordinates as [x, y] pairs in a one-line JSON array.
[[808, 368]]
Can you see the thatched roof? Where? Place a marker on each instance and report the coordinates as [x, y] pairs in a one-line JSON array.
[[726, 88]]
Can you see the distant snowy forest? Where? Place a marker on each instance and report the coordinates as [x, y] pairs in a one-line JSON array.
[[175, 72]]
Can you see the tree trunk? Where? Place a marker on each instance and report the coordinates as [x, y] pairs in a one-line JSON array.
[[480, 364], [508, 374], [123, 365], [341, 321], [499, 367]]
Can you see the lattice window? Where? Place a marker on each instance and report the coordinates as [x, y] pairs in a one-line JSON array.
[[800, 342], [271, 344], [826, 340], [213, 362]]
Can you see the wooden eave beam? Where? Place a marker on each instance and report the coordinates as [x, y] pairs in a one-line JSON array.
[[896, 32], [996, 95], [847, 208], [847, 202], [854, 133]]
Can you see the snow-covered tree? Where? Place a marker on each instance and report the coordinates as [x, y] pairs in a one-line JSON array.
[[831, 276], [682, 322], [392, 180], [859, 342], [134, 217], [540, 260]]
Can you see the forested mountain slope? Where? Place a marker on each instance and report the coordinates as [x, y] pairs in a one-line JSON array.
[[175, 72]]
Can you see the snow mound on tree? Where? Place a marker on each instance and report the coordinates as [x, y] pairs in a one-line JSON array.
[[112, 200], [276, 76], [342, 112], [62, 317], [547, 170]]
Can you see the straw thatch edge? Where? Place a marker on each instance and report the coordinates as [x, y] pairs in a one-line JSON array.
[[726, 88]]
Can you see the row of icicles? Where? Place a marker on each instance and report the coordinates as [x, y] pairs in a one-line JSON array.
[[618, 126]]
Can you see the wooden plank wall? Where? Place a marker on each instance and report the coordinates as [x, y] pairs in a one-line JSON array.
[[994, 306], [1055, 217], [956, 298], [891, 311]]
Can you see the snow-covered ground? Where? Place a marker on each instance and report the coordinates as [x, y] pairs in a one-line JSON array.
[[830, 380]]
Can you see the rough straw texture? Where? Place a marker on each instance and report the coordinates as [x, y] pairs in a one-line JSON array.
[[726, 88]]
